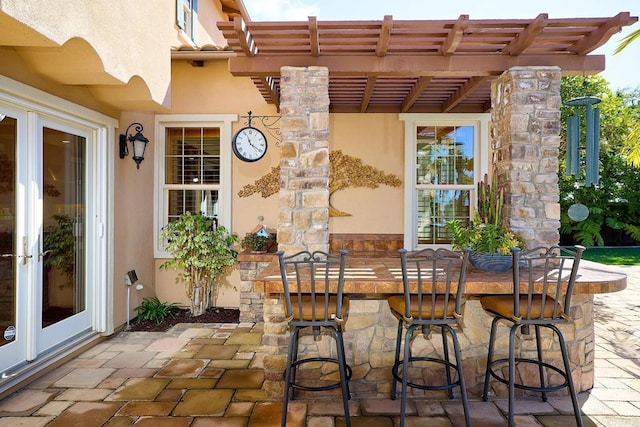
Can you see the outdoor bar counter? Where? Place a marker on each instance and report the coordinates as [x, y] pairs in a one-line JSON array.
[[371, 329]]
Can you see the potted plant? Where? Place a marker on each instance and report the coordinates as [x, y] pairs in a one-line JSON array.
[[256, 242], [202, 252], [488, 238]]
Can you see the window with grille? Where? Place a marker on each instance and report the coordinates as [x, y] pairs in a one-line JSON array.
[[187, 17], [194, 169], [443, 164]]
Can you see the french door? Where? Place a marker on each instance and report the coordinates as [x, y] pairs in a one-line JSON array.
[[45, 234]]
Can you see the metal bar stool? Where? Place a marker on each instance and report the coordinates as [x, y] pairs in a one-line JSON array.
[[317, 302], [433, 295], [543, 283]]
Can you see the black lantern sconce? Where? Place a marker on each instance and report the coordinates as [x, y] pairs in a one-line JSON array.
[[138, 143]]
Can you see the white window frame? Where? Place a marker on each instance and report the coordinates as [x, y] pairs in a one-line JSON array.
[[164, 121], [187, 18], [479, 121]]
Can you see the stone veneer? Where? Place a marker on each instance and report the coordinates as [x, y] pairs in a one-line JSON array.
[[525, 136], [303, 221]]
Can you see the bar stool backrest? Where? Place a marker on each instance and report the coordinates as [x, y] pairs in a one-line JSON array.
[[316, 299], [546, 278], [433, 281]]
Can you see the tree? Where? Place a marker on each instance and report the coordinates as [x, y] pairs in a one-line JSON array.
[[344, 171], [203, 254], [614, 205], [631, 146]]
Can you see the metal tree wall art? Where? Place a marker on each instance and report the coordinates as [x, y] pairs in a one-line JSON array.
[[591, 146], [344, 171]]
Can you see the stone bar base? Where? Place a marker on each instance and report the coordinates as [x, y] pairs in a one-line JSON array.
[[251, 293], [370, 342]]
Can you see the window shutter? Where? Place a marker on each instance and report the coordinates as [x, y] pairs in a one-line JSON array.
[[180, 14]]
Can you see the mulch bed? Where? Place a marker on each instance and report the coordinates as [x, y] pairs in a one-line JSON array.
[[213, 315]]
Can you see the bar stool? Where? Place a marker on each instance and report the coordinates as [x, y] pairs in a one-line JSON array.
[[543, 279], [433, 283], [317, 302]]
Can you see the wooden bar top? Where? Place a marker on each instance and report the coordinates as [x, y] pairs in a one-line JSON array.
[[383, 276]]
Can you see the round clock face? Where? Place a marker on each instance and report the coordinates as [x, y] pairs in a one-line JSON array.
[[249, 144]]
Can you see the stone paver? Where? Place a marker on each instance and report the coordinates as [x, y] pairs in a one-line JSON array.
[[212, 375]]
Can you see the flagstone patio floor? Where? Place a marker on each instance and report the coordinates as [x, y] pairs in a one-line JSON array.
[[211, 375]]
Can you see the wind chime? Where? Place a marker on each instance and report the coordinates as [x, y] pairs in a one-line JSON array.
[[592, 143], [578, 211]]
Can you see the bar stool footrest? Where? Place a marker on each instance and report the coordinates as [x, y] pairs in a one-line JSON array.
[[447, 365], [332, 386], [538, 389]]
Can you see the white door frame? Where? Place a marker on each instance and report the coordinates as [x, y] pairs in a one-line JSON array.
[[39, 107]]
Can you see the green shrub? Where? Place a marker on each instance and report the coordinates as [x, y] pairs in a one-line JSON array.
[[154, 309]]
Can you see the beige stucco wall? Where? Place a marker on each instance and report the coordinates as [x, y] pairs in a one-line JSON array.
[[106, 44], [377, 139]]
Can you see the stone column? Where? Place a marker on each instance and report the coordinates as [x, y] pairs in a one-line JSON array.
[[525, 137], [303, 221]]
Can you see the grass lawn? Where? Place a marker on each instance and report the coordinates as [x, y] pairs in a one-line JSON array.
[[624, 255]]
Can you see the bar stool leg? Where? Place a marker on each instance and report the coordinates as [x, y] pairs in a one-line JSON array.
[[289, 372], [487, 375], [567, 369], [405, 375], [463, 386], [394, 388], [346, 395], [445, 349], [540, 367], [512, 373]]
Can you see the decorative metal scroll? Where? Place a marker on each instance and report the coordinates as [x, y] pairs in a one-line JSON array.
[[268, 123], [591, 146]]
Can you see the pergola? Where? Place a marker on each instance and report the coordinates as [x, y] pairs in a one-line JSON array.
[[415, 66]]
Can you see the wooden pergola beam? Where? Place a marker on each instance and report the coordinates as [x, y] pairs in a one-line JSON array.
[[314, 42], [455, 36], [400, 65], [244, 37], [526, 38], [270, 90], [385, 36], [463, 92], [602, 34], [417, 89], [368, 91]]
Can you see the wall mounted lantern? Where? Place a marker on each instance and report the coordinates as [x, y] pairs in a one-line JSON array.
[[138, 143]]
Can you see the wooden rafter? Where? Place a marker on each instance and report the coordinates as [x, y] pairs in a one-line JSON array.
[[455, 36], [417, 89], [426, 66], [272, 91], [597, 38], [314, 43], [385, 36], [244, 37], [368, 91], [463, 92], [527, 37]]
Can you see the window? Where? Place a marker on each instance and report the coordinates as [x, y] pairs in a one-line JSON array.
[[187, 17], [194, 169], [445, 157]]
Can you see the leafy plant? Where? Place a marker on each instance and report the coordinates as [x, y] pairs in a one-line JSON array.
[[485, 233], [256, 242], [154, 309], [203, 254], [60, 243], [483, 238]]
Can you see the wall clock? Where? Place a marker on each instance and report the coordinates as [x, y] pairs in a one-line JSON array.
[[249, 144]]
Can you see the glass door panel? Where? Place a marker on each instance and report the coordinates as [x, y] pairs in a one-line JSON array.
[[63, 277], [8, 245]]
